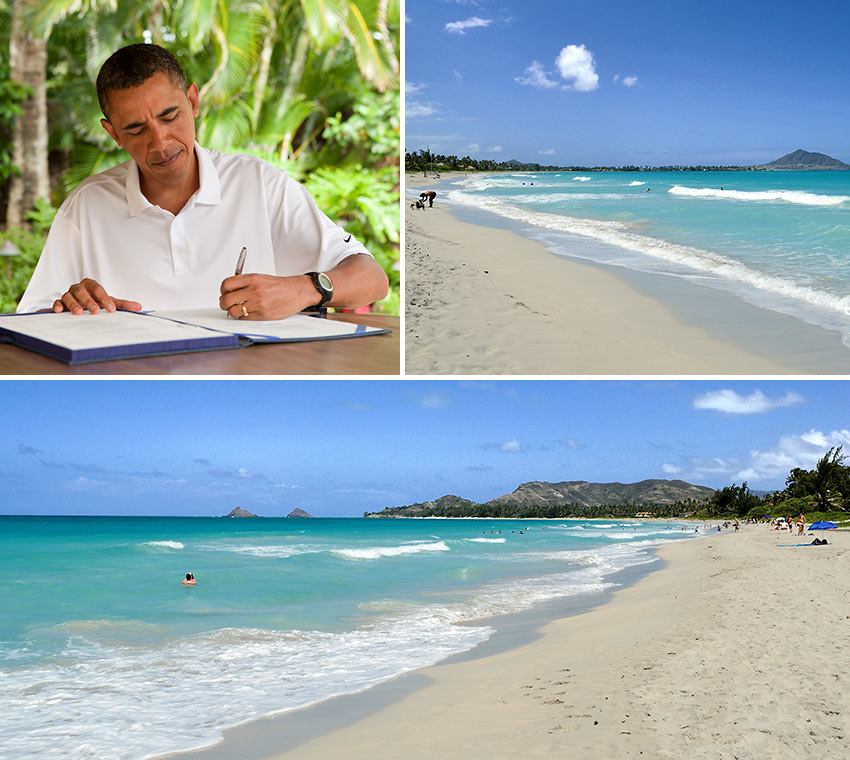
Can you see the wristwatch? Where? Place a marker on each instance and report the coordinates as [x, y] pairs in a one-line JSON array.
[[324, 285]]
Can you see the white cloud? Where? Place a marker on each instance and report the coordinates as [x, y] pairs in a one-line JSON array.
[[795, 451], [730, 402], [495, 149], [473, 147], [420, 110], [410, 88], [433, 401], [575, 64], [547, 152], [460, 27], [627, 81], [535, 76], [513, 445], [765, 466]]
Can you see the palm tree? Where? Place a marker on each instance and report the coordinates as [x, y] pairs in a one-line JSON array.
[[28, 68], [302, 83]]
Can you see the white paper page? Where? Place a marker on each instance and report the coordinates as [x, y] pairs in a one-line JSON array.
[[102, 330], [296, 327]]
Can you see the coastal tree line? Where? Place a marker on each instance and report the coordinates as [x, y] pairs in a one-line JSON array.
[[425, 161], [824, 490], [821, 492]]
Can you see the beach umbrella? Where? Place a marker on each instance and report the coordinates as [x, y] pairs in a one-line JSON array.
[[823, 525]]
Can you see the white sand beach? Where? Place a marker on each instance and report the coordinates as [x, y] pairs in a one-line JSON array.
[[733, 649], [481, 300]]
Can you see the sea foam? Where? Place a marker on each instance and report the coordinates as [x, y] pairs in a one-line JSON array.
[[377, 552], [788, 196], [165, 544], [724, 268]]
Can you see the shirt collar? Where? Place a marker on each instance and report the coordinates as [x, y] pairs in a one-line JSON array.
[[208, 192]]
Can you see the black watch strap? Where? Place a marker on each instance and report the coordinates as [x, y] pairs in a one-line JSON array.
[[321, 282]]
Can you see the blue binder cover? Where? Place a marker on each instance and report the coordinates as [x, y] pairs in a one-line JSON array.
[[86, 338]]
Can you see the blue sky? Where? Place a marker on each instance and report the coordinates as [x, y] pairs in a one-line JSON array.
[[338, 448], [602, 82]]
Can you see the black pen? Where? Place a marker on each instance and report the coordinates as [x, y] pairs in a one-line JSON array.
[[240, 262]]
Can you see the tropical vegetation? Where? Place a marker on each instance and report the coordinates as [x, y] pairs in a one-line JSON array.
[[820, 493], [308, 85], [424, 161]]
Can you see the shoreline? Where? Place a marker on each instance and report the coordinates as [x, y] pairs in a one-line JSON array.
[[276, 734], [470, 309], [724, 651]]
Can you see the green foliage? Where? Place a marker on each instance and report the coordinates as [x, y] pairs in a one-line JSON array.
[[828, 483], [362, 201], [733, 501], [308, 85], [786, 507], [30, 243], [463, 508], [11, 95], [424, 160]]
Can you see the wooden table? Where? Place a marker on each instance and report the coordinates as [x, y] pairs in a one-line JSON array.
[[370, 355]]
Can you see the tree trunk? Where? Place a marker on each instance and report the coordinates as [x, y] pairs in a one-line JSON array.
[[28, 62]]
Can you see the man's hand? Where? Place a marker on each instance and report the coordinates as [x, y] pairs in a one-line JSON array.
[[264, 296], [88, 294], [358, 280]]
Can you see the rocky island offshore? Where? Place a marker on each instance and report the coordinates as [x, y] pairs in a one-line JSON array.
[[802, 160], [239, 512]]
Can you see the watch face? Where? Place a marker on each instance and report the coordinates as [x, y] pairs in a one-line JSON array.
[[325, 282]]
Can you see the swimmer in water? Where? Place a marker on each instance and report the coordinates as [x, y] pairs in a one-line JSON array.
[[190, 580]]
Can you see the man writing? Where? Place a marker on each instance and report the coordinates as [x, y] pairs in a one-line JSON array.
[[166, 228]]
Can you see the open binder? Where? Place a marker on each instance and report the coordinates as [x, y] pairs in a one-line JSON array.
[[84, 338]]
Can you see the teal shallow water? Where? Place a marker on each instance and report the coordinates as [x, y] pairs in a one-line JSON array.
[[103, 653], [780, 240]]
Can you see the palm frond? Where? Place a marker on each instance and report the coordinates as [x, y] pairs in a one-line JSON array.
[[89, 159], [325, 20], [227, 127], [376, 62], [40, 15]]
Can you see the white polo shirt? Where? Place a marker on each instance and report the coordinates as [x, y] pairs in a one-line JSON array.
[[107, 230]]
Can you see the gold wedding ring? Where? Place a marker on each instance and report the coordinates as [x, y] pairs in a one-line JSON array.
[[244, 310]]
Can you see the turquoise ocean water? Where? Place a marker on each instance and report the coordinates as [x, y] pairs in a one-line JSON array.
[[104, 654], [780, 240]]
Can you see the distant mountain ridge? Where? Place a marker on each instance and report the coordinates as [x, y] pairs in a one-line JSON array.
[[596, 494], [803, 159], [574, 496]]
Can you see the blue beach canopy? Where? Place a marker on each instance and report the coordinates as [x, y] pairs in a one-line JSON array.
[[823, 525]]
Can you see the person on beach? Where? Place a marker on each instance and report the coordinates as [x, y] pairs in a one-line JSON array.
[[189, 580], [429, 196], [167, 226]]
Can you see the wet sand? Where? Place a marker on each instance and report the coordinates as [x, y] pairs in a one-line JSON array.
[[732, 649], [482, 300]]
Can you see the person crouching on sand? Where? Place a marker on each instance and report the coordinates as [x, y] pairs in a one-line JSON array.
[[189, 580], [428, 196]]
